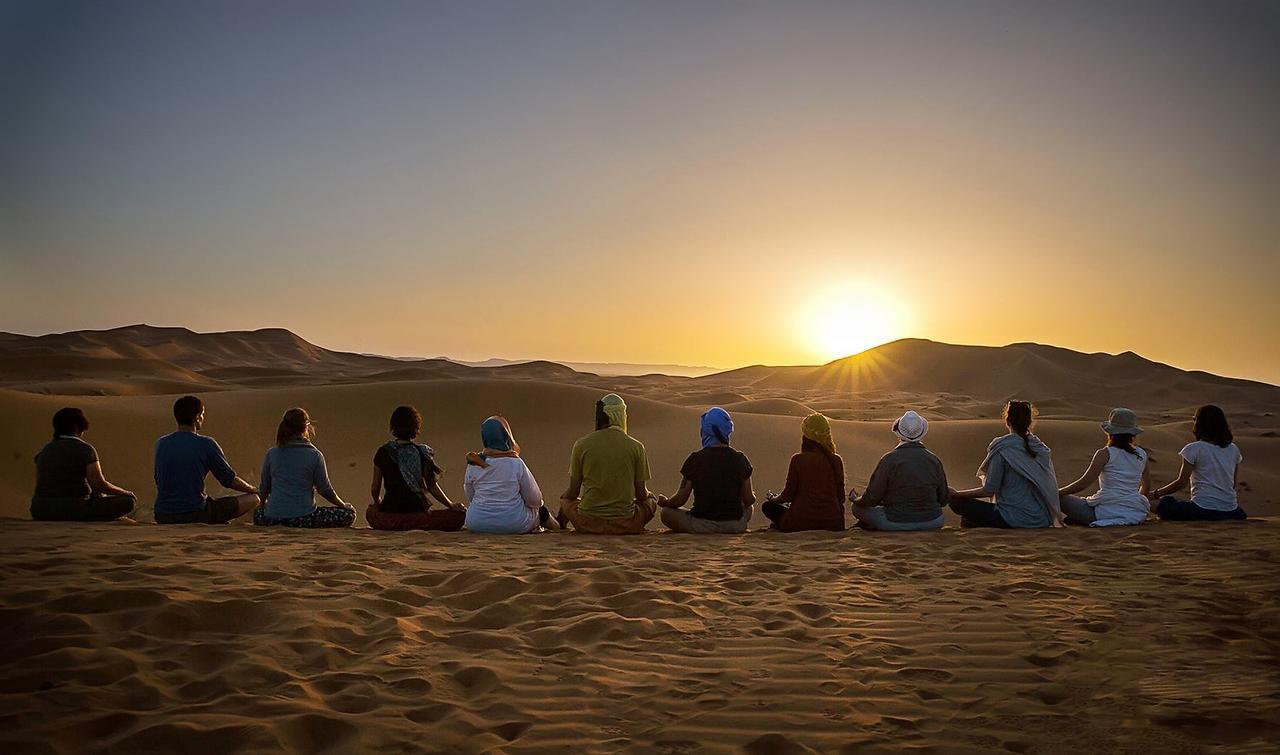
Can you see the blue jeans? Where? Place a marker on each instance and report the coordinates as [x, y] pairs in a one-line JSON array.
[[873, 518]]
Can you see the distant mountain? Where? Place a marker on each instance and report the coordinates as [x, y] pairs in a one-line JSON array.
[[996, 373], [945, 379]]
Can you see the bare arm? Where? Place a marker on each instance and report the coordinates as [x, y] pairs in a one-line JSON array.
[[574, 491], [679, 499], [99, 484], [241, 486], [642, 490], [438, 494], [375, 487], [1090, 475], [1184, 477], [748, 493], [1145, 487]]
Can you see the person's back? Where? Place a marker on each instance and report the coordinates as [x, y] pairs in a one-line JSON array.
[[1213, 474], [291, 474], [60, 468], [717, 474], [500, 496], [910, 483], [815, 490], [182, 460], [1015, 497], [610, 463]]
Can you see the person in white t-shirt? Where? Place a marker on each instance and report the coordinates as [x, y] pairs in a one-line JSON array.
[[1211, 464]]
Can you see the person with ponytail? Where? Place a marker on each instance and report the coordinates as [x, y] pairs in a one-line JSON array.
[[291, 473], [1211, 465], [813, 497], [70, 486], [1123, 474], [1017, 474], [908, 488]]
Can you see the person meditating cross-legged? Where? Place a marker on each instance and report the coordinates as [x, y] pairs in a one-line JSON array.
[[503, 498], [1211, 464], [291, 473], [183, 459], [1121, 470], [70, 486], [813, 498], [718, 477], [1018, 474], [408, 472], [607, 494], [908, 488]]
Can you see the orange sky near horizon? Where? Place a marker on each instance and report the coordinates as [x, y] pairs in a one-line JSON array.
[[717, 185]]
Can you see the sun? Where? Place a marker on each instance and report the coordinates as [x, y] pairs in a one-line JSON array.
[[851, 319]]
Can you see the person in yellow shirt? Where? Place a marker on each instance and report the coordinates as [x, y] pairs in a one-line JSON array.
[[608, 472]]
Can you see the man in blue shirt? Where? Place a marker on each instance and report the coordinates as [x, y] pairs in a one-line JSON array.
[[183, 459]]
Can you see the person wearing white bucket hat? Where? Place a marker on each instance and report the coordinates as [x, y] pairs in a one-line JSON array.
[[908, 488], [1120, 468]]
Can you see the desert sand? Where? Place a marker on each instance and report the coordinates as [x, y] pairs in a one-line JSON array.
[[135, 637]]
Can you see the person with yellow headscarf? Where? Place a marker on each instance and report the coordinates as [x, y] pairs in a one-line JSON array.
[[813, 497], [608, 472]]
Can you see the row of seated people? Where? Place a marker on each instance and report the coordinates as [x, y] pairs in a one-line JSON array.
[[609, 473]]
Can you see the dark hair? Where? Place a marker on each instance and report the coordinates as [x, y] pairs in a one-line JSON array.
[[602, 419], [69, 421], [186, 409], [1018, 416], [1211, 426], [1124, 441], [294, 424], [406, 422], [837, 467]]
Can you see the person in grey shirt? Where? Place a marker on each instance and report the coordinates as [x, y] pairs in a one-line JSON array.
[[908, 488]]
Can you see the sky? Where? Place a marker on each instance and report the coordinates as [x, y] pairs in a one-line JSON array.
[[698, 183]]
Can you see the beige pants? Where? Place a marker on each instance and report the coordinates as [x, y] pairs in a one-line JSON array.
[[625, 525], [679, 520]]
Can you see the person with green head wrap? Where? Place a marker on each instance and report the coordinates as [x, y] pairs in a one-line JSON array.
[[608, 472], [813, 498]]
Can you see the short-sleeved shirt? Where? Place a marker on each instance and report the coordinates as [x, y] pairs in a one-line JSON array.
[[610, 463], [399, 496], [1213, 479], [717, 474], [60, 468], [183, 459]]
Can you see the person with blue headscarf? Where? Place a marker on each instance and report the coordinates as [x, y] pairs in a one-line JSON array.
[[719, 479], [504, 497]]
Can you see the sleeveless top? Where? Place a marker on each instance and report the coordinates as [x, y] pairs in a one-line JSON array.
[[1118, 496]]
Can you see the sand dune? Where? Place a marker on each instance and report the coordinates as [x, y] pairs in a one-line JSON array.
[[134, 637], [237, 639]]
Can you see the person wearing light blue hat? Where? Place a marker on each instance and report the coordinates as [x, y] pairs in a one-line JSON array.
[[719, 479]]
